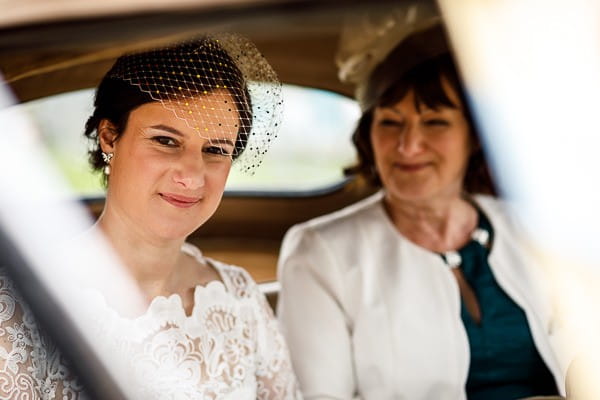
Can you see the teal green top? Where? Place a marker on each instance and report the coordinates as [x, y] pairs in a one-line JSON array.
[[505, 363]]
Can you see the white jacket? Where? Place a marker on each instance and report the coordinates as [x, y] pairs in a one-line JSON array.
[[368, 313]]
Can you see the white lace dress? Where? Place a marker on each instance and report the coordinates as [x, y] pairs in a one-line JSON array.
[[230, 346]]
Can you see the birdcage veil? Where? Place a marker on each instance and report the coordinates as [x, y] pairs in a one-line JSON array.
[[222, 63]]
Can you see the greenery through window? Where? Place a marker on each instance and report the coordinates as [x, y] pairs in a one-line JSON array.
[[312, 148]]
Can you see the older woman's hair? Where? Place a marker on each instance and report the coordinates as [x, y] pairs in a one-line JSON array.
[[425, 81], [116, 98]]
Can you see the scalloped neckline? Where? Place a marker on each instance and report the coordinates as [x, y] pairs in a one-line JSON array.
[[219, 284]]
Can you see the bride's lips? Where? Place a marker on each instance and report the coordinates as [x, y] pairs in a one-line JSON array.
[[412, 167], [180, 201]]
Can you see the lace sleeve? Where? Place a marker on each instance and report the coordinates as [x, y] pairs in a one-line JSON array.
[[16, 346], [274, 374], [30, 365]]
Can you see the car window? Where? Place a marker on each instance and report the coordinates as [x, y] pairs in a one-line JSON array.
[[311, 151]]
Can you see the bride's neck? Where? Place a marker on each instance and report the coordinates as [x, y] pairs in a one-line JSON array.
[[151, 262]]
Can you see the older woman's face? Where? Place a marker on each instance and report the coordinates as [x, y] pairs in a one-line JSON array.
[[166, 179], [421, 155]]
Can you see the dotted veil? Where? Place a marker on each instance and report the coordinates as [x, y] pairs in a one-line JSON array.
[[213, 64]]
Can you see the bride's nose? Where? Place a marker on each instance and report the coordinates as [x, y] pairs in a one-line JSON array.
[[190, 171]]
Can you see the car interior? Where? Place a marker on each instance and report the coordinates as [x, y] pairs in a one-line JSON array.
[[44, 53], [52, 51]]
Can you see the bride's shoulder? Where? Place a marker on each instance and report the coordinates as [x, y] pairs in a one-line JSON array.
[[235, 279]]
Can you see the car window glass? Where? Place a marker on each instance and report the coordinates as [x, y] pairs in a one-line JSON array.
[[310, 153]]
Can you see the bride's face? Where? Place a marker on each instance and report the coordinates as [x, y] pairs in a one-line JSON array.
[[167, 178]]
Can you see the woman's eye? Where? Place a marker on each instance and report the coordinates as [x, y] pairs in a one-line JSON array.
[[218, 151], [390, 122], [165, 141], [436, 122]]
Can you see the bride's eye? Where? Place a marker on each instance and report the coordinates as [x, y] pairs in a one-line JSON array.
[[216, 150], [165, 141]]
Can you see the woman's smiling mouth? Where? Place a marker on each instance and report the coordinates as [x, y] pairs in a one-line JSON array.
[[179, 200], [412, 167]]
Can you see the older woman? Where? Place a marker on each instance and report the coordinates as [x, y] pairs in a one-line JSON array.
[[421, 291], [166, 128]]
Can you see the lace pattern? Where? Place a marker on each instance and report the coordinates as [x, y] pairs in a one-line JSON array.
[[230, 346], [31, 365]]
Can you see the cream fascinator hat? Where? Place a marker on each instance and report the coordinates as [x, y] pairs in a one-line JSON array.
[[377, 49]]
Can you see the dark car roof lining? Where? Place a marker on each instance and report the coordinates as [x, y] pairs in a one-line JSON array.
[[47, 75], [43, 59]]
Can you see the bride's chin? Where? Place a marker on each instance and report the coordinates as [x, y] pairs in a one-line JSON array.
[[170, 232]]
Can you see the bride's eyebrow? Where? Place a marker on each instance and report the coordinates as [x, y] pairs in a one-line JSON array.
[[167, 128], [221, 141]]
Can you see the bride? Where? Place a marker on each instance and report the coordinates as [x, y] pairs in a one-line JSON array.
[[167, 126]]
